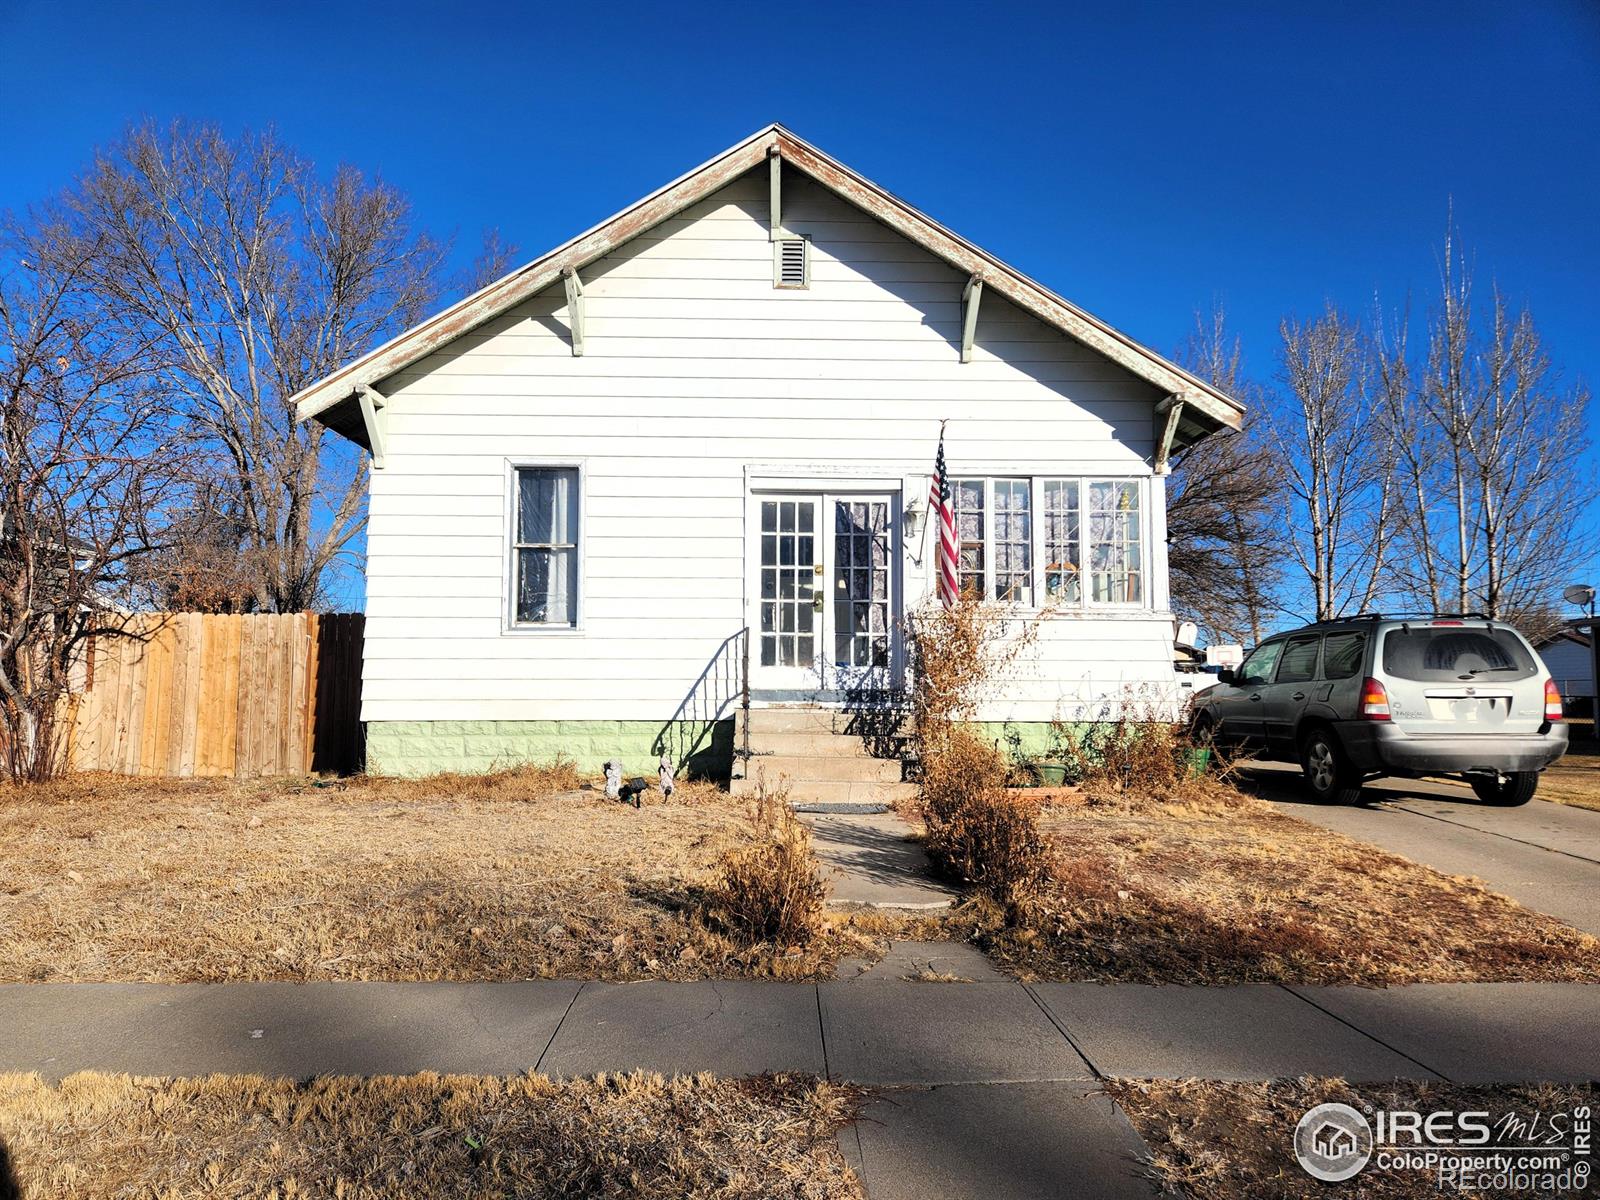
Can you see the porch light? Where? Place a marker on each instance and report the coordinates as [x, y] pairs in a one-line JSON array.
[[912, 517]]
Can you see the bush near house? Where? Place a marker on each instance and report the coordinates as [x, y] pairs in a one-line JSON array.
[[770, 892], [977, 831]]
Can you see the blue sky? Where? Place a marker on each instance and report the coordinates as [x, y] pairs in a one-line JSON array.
[[1145, 160]]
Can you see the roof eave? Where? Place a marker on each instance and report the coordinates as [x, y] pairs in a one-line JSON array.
[[331, 400], [510, 290]]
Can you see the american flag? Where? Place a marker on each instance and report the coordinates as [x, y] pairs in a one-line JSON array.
[[943, 512]]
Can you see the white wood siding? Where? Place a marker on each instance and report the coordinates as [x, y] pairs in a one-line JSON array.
[[694, 368]]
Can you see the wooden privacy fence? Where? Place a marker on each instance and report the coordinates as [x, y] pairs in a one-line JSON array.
[[209, 694]]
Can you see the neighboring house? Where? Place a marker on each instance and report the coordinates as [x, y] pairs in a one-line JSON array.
[[1569, 656], [718, 411]]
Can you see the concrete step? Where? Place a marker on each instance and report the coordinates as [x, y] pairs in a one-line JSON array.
[[844, 768], [829, 790], [805, 745], [810, 720]]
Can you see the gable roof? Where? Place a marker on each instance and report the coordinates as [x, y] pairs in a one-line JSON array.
[[333, 400], [1573, 632]]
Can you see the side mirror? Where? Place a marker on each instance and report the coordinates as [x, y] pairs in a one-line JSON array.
[[1226, 675]]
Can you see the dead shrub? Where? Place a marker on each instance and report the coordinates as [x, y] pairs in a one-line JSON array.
[[956, 654], [977, 830], [770, 891], [1133, 751]]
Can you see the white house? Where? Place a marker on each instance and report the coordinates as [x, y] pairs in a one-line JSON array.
[[717, 412]]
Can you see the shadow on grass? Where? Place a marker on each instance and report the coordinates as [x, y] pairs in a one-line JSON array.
[[1149, 940], [679, 900], [9, 1188]]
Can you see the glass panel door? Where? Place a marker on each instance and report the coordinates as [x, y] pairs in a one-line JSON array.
[[788, 632], [860, 637]]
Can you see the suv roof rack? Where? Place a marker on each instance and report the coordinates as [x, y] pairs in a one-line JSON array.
[[1397, 616]]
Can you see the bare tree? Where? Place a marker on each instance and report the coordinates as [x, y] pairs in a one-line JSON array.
[[254, 276], [496, 258], [1223, 545], [201, 564], [1337, 460], [1492, 459], [88, 462]]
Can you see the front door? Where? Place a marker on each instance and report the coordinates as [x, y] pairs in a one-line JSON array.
[[789, 594], [826, 593]]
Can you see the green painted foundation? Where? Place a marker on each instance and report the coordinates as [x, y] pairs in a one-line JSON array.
[[702, 750], [1022, 741]]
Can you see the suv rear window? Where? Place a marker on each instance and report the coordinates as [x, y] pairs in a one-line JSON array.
[[1429, 654]]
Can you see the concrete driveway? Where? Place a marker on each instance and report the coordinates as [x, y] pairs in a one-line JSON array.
[[1547, 856]]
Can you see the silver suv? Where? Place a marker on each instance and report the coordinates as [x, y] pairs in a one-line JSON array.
[[1353, 699]]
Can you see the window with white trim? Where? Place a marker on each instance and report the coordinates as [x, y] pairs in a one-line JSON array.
[[1063, 523], [1116, 542], [544, 551], [972, 536], [994, 526], [1087, 547], [1013, 539]]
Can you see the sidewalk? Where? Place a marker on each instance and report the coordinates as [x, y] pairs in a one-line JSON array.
[[1001, 1076]]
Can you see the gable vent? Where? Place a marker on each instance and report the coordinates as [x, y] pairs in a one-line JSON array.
[[791, 263]]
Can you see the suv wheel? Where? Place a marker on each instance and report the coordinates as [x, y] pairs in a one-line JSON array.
[[1517, 789], [1328, 775]]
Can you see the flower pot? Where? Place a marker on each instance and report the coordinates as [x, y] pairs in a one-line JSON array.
[[1051, 774], [1199, 760]]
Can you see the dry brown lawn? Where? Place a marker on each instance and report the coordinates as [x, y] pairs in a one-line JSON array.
[[1223, 889], [511, 876], [425, 1136], [1575, 780], [1234, 1141]]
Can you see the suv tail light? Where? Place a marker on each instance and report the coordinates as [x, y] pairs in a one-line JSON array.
[[1374, 701], [1552, 701]]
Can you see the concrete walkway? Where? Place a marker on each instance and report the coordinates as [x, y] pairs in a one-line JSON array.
[[875, 860], [991, 1086]]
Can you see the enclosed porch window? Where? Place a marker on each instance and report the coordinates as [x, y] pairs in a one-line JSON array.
[[1087, 547]]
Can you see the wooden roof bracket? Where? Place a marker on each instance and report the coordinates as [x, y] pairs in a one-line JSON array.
[[971, 297], [775, 229], [1172, 407], [371, 404], [575, 308]]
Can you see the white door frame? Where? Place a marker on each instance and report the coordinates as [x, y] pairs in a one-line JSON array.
[[826, 490]]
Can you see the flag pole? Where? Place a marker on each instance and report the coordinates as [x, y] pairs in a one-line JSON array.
[[928, 520]]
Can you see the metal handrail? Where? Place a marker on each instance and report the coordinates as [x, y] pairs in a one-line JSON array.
[[744, 697], [708, 700]]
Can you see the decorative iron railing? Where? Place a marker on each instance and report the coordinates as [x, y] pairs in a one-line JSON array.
[[690, 738]]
